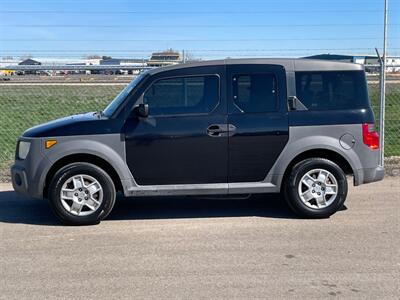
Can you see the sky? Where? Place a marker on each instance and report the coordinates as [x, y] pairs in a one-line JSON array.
[[205, 29]]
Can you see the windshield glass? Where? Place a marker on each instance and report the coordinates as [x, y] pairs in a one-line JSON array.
[[119, 99]]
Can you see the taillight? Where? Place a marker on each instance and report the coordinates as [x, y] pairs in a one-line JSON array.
[[370, 136]]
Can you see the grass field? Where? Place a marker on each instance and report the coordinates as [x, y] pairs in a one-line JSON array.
[[24, 106], [392, 115]]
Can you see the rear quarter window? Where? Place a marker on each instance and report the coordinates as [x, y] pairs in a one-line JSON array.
[[332, 90]]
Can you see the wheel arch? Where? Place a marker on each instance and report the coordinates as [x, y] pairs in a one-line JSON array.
[[82, 157], [329, 154]]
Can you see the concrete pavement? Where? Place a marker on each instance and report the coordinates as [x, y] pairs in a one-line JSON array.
[[189, 248]]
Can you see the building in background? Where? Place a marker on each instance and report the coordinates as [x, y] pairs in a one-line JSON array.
[[164, 58], [123, 61], [5, 62], [127, 62], [370, 61], [392, 63], [29, 62]]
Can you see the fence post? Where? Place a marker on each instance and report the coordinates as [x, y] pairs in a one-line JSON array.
[[382, 91]]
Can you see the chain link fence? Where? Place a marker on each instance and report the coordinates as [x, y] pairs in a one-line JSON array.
[[392, 115], [28, 100]]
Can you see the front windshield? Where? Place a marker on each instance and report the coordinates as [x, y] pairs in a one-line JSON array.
[[113, 106]]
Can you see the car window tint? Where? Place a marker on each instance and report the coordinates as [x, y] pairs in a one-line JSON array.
[[255, 93], [332, 89], [183, 95]]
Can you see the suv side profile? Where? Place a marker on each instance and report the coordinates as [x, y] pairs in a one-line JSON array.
[[291, 126]]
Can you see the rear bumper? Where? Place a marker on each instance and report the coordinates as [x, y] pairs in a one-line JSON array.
[[370, 175], [374, 174]]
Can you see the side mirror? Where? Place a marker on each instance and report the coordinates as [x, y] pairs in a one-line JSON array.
[[141, 110], [295, 104], [292, 102]]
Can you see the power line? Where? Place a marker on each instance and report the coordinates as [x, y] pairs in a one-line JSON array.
[[183, 25], [199, 40], [191, 50], [163, 1], [186, 12]]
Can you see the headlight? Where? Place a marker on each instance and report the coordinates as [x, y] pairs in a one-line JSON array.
[[23, 149]]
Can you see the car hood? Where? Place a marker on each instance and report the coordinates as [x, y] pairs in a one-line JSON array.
[[80, 124]]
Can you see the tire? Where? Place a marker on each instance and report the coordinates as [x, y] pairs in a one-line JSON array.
[[79, 204], [305, 189]]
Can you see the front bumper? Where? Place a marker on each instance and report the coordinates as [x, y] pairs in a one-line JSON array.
[[27, 175], [19, 180], [24, 186]]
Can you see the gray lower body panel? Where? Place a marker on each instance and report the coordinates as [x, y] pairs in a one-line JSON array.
[[370, 175], [22, 184], [203, 189]]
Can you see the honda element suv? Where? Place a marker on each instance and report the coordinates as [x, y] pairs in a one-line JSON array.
[[291, 126]]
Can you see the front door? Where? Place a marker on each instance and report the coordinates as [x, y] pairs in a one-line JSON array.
[[257, 114], [184, 139]]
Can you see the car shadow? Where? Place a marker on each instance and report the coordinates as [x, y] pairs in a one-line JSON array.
[[18, 209], [265, 205]]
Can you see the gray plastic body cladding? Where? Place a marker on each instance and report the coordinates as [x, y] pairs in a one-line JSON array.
[[30, 170], [363, 160], [109, 147]]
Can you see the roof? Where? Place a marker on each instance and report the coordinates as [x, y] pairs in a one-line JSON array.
[[29, 62], [116, 61], [290, 64]]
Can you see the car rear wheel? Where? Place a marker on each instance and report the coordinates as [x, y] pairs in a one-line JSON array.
[[81, 194], [316, 188]]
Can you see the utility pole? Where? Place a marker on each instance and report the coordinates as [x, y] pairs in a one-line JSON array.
[[382, 89], [183, 56]]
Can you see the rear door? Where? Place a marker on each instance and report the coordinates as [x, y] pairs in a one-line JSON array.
[[184, 139], [258, 118]]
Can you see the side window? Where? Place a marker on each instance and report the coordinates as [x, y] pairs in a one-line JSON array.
[[331, 90], [183, 95], [255, 93]]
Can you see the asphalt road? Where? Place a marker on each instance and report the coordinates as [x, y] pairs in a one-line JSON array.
[[190, 248]]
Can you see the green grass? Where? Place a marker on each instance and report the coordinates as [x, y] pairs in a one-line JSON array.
[[22, 107], [392, 116]]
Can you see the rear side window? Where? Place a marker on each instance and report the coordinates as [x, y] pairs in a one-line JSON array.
[[255, 93], [332, 90], [183, 95]]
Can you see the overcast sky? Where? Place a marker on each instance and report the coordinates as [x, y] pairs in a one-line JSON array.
[[206, 29]]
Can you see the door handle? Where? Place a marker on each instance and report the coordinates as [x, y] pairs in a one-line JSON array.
[[220, 130], [215, 130]]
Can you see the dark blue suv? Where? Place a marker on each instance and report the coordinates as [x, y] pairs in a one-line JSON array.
[[216, 127]]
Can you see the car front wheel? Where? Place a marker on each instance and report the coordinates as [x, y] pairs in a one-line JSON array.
[[81, 194]]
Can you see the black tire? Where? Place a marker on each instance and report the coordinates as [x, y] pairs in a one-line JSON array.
[[64, 174], [292, 182]]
